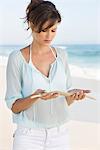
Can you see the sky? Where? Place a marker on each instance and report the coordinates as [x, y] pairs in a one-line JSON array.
[[80, 22]]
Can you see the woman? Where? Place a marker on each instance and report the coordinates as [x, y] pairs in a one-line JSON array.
[[34, 74]]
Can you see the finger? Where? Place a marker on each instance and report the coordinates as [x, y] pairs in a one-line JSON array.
[[46, 96], [76, 96], [39, 91], [72, 97], [87, 91], [80, 96], [54, 95], [83, 96]]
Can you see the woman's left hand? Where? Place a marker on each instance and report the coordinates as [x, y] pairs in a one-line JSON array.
[[80, 95]]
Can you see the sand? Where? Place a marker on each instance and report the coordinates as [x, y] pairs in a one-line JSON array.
[[84, 124]]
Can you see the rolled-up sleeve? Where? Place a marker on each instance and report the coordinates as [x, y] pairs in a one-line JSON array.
[[13, 79]]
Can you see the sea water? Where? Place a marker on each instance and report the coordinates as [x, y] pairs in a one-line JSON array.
[[83, 56]]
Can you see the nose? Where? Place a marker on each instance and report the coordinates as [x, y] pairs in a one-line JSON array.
[[48, 34]]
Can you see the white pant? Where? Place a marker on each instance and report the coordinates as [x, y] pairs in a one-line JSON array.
[[41, 139]]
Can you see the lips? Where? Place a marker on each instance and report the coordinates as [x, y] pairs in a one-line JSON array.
[[47, 40]]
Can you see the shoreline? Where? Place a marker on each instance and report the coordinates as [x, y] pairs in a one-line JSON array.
[[76, 70]]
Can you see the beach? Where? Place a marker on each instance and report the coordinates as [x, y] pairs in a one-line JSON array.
[[84, 124]]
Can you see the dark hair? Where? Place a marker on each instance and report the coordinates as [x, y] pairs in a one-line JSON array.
[[39, 12]]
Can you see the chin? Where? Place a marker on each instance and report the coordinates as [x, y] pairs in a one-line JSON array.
[[47, 43]]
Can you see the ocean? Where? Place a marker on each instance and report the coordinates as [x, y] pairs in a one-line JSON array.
[[86, 56]]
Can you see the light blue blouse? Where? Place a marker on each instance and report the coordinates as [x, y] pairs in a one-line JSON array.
[[24, 78]]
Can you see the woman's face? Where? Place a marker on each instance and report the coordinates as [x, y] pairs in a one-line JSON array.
[[46, 36]]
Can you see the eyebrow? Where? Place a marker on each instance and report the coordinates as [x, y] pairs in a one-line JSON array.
[[54, 28], [49, 28]]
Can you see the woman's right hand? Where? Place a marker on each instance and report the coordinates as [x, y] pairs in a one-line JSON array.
[[44, 95], [49, 95]]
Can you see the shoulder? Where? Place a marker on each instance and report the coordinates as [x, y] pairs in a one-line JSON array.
[[62, 51], [25, 53], [16, 56], [14, 61]]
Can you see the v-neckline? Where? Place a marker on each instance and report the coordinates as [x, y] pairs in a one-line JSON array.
[[30, 63], [51, 65]]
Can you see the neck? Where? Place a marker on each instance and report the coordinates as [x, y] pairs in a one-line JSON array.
[[40, 49]]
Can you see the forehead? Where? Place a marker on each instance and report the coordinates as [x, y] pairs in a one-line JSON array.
[[48, 23]]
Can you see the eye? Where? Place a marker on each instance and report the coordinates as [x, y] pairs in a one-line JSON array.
[[44, 30], [53, 30]]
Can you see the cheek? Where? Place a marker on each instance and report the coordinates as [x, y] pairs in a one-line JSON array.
[[54, 34], [41, 36], [38, 37]]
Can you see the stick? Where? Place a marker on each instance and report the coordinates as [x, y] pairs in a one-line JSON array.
[[88, 96], [36, 96], [64, 94]]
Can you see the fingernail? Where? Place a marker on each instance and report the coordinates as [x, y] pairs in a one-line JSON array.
[[51, 93]]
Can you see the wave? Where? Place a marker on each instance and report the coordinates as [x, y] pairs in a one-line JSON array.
[[85, 72]]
